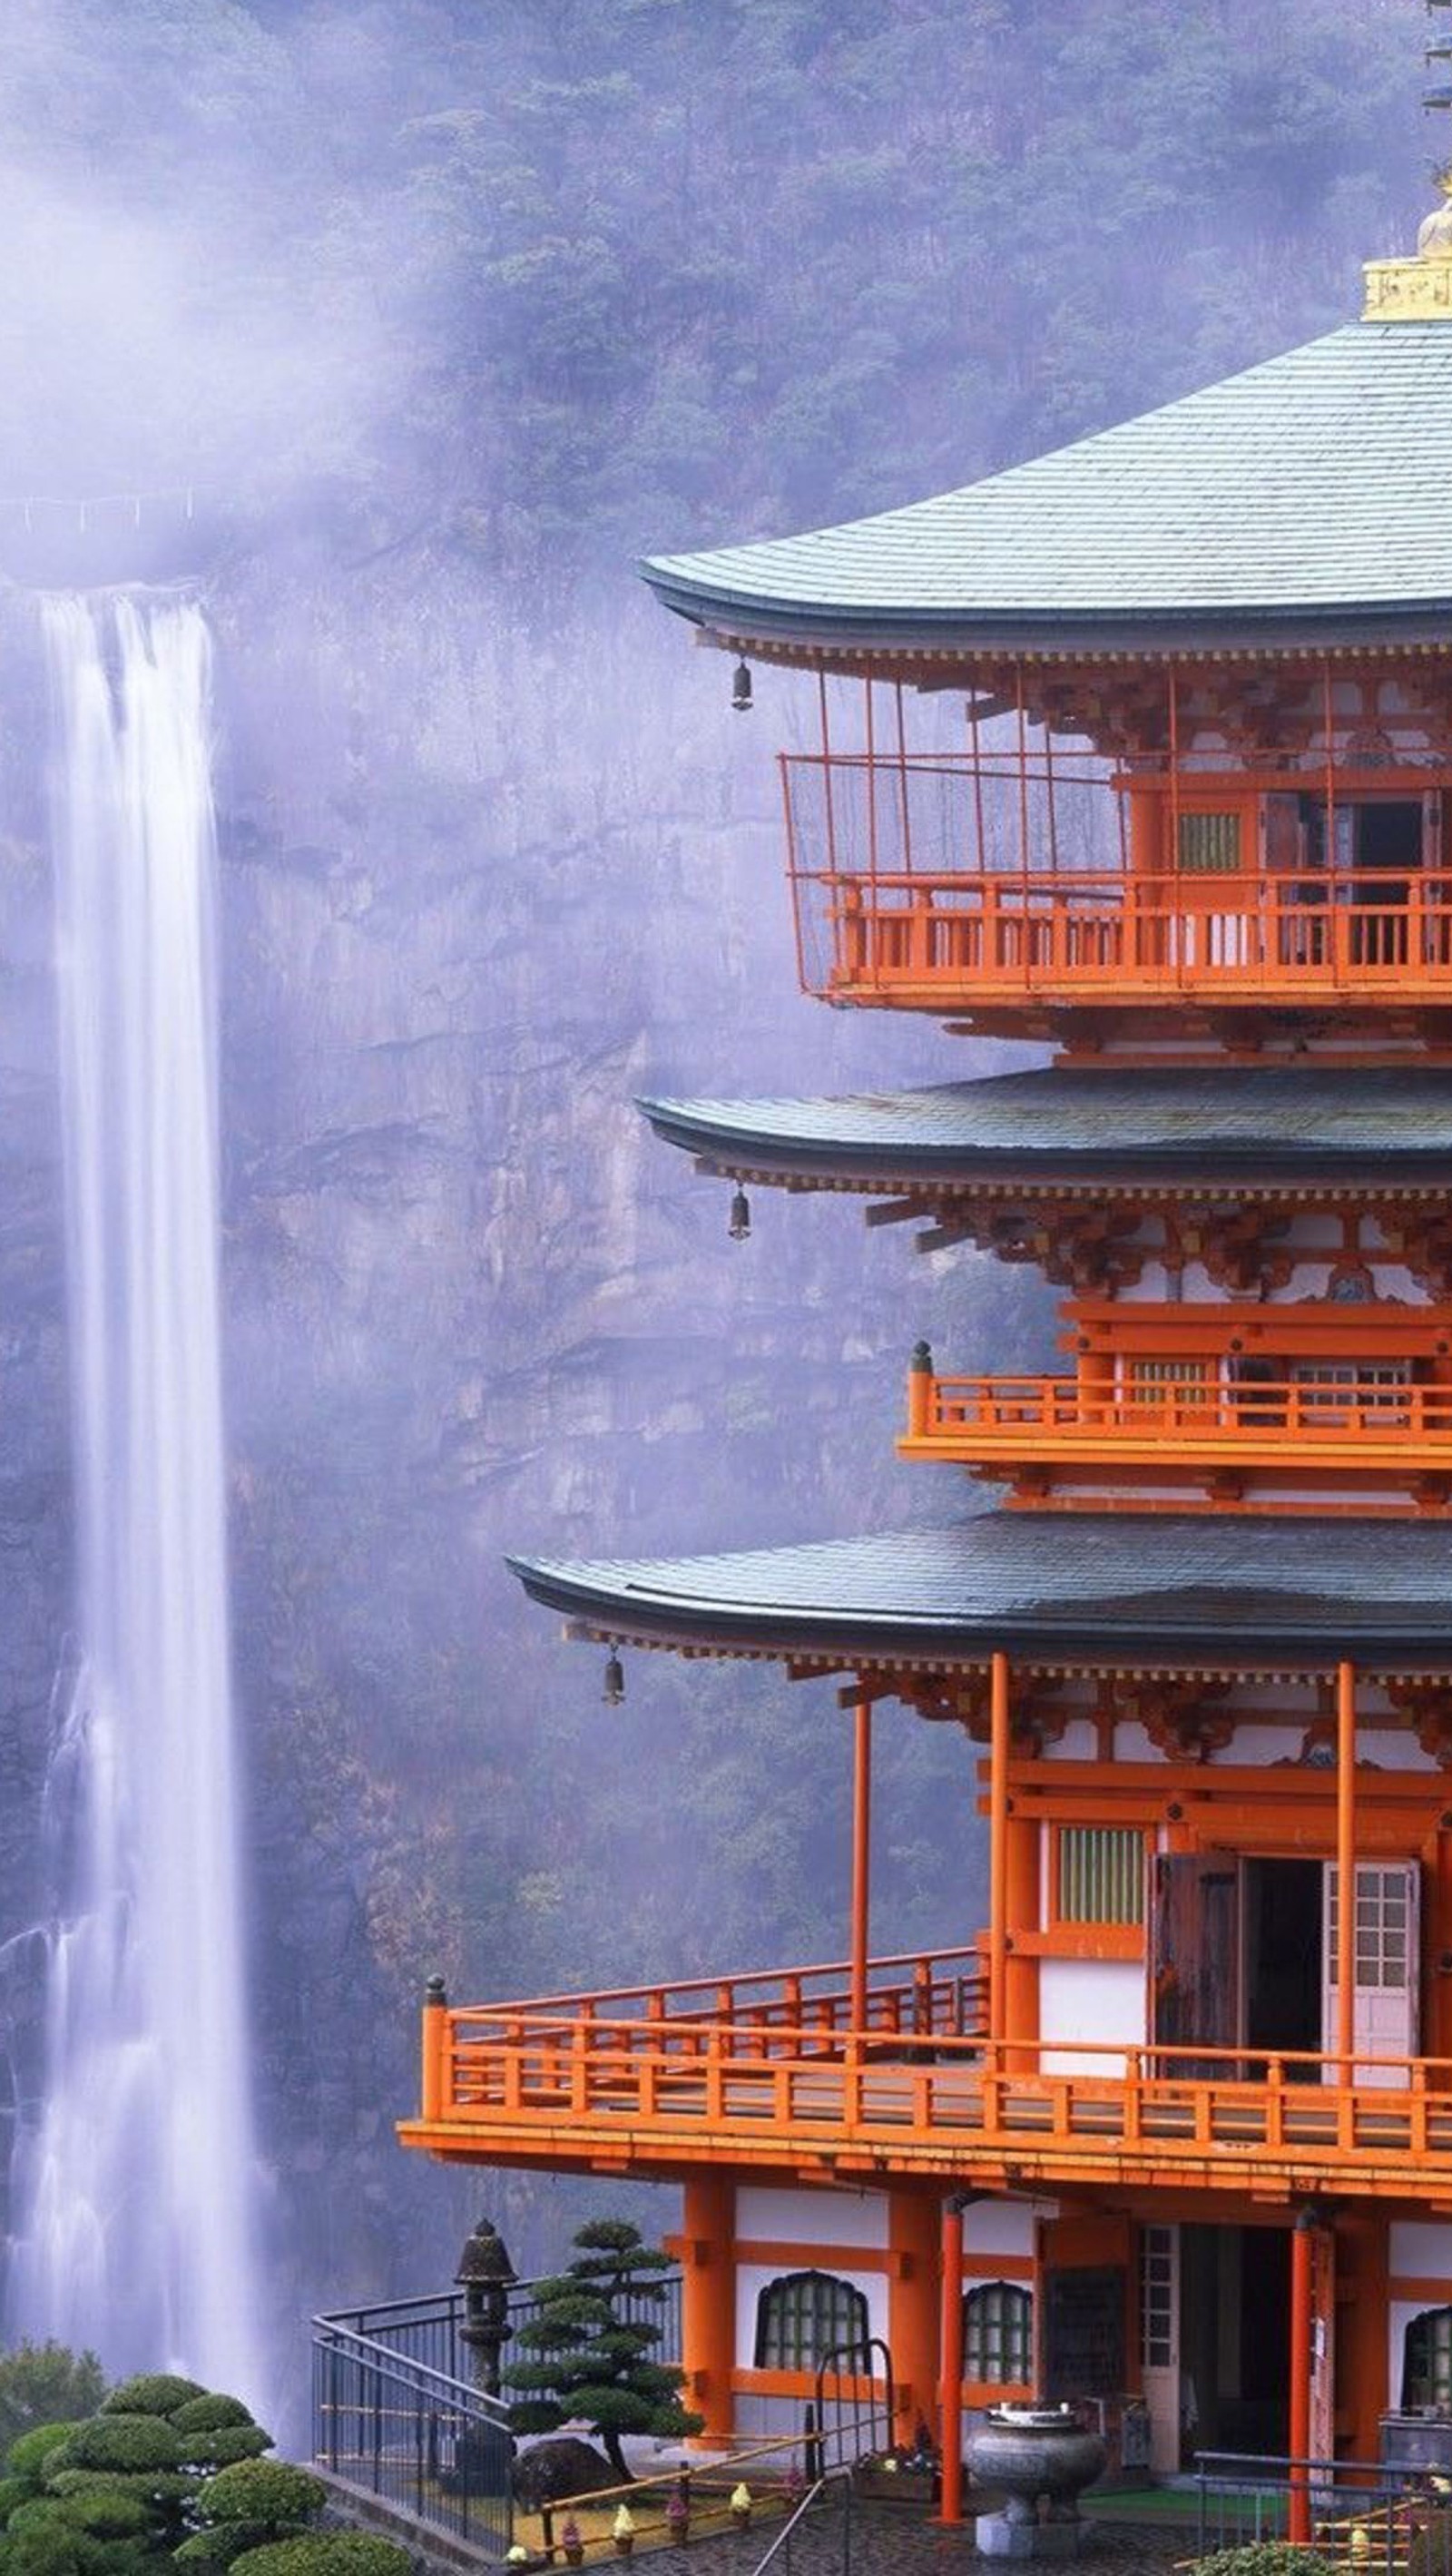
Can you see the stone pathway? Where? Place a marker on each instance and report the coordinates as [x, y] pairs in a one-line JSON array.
[[886, 2541]]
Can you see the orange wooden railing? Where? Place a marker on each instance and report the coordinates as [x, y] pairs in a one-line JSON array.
[[1022, 1416], [899, 935], [1060, 2105]]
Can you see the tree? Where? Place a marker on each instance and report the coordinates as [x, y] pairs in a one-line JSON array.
[[45, 2383], [592, 2335]]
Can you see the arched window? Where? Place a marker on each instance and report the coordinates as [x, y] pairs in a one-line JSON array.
[[998, 2334], [802, 2316], [1427, 2359]]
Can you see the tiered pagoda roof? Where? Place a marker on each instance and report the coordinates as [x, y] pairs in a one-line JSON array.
[[1301, 494], [1174, 1585], [1377, 1128]]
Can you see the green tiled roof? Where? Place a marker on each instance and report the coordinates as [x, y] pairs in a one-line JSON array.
[[1300, 1122], [1308, 487], [1041, 1582]]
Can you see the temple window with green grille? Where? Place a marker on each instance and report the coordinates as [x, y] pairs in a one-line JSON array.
[[1101, 1874], [1208, 845]]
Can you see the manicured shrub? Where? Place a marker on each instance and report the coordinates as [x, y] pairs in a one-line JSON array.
[[326, 2553], [115, 2441], [39, 2513], [29, 2454], [157, 2486], [13, 2491], [1264, 2558], [230, 2443], [268, 2491], [221, 2542], [210, 2414], [153, 2392], [58, 2550]]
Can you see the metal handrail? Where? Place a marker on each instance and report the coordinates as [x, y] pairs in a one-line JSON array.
[[815, 2494]]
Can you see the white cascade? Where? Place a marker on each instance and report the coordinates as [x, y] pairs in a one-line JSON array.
[[136, 2182]]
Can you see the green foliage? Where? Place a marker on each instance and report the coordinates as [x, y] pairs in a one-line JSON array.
[[273, 2492], [13, 2491], [593, 2333], [155, 2392], [58, 2550], [43, 2384], [327, 2553], [113, 2512], [30, 2453], [229, 2443], [1264, 2558], [162, 2488], [210, 2414], [121, 2442], [219, 2543]]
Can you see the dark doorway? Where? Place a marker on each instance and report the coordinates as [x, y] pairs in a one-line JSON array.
[[1235, 2339], [1283, 1975], [1389, 837]]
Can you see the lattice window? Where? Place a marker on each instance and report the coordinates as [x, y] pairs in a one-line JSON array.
[[998, 2334], [1383, 1926], [1101, 1874], [1209, 844], [802, 2316], [1427, 2360], [1157, 2297]]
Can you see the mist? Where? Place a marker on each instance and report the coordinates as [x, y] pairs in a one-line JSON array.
[[393, 334]]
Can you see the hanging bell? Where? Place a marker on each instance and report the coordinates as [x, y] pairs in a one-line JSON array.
[[741, 689], [614, 1691], [739, 1226]]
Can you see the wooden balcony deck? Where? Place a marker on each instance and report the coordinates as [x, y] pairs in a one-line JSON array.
[[738, 2072], [1316, 1421]]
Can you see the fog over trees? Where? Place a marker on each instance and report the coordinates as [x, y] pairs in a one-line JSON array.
[[413, 324]]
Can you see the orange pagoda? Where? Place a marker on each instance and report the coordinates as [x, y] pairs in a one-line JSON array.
[[1142, 751]]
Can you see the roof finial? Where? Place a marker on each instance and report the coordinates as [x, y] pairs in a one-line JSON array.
[[1417, 289]]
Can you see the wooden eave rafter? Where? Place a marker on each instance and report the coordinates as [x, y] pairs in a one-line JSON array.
[[956, 664], [894, 1677]]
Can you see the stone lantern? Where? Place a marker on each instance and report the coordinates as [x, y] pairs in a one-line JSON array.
[[486, 2276]]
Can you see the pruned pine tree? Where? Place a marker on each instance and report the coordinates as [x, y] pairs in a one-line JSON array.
[[589, 2347]]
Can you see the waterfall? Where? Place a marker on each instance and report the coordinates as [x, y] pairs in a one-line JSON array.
[[136, 2181]]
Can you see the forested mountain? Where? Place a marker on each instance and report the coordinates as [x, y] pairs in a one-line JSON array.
[[412, 324]]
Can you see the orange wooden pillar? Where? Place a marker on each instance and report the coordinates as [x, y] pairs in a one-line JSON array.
[[950, 2392], [1299, 2442], [1345, 1872], [1021, 1973], [912, 2308], [708, 2300], [997, 1846], [861, 1858]]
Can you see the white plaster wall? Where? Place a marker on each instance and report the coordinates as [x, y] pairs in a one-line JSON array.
[[1261, 1744], [1076, 1744], [995, 2227], [1132, 1744], [810, 2217], [1416, 2247], [1080, 1996]]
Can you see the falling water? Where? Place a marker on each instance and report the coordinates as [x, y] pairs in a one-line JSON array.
[[136, 2182]]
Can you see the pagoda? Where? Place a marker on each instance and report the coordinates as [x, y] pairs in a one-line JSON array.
[[1139, 750]]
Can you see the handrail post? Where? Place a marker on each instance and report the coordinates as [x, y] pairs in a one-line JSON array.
[[920, 1391], [434, 2086]]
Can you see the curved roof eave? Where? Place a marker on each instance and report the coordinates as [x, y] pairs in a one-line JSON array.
[[740, 622], [1169, 1586]]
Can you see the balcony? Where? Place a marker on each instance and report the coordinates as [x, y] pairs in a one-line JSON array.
[[765, 2074], [950, 884], [1332, 1418]]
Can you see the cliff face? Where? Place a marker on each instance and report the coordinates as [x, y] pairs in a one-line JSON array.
[[480, 885]]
